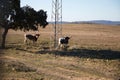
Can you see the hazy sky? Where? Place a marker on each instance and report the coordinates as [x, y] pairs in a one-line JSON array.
[[80, 10]]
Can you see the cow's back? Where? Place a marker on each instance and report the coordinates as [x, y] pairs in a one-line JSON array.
[[31, 37], [64, 41]]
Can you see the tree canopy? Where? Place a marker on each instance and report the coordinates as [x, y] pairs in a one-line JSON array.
[[28, 19]]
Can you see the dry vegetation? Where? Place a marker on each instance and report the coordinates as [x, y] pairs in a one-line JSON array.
[[93, 54]]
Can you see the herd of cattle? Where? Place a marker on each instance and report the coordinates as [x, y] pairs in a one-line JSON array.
[[63, 41]]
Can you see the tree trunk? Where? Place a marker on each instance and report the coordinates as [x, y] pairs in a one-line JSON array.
[[4, 37]]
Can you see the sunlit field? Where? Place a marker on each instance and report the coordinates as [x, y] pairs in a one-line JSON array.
[[93, 53]]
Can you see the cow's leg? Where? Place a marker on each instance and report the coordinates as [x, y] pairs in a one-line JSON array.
[[61, 46], [25, 40], [33, 42], [65, 47]]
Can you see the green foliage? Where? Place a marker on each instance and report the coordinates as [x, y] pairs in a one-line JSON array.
[[29, 19]]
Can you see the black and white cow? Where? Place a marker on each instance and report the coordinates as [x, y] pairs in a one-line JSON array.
[[32, 37], [63, 41]]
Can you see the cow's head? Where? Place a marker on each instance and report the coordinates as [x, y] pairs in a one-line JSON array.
[[67, 38], [37, 35]]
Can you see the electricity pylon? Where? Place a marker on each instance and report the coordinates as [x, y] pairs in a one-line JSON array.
[[56, 19]]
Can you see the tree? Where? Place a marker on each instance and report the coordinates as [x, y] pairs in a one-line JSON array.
[[25, 18]]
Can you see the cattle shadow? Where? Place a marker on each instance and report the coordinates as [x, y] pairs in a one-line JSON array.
[[85, 53]]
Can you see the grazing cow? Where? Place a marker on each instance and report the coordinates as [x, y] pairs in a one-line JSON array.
[[32, 37], [63, 41]]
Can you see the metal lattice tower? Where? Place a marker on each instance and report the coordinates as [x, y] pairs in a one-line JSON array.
[[56, 19]]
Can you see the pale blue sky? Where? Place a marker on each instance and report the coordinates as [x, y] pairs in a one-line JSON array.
[[81, 10]]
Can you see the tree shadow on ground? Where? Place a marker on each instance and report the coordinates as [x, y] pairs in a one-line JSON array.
[[85, 53], [81, 53]]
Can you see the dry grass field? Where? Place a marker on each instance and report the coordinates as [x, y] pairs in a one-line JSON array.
[[93, 54]]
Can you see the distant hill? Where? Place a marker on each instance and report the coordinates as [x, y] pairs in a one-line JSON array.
[[107, 22], [100, 22]]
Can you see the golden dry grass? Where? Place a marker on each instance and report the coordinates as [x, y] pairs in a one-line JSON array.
[[93, 54], [83, 35]]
